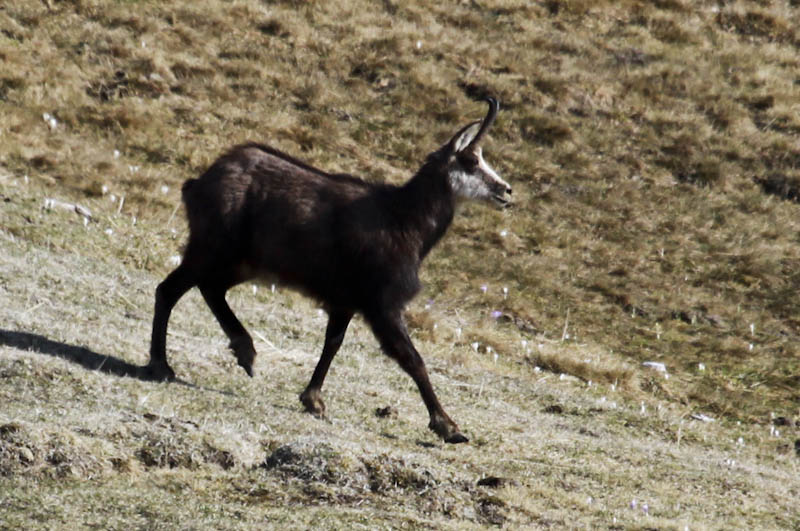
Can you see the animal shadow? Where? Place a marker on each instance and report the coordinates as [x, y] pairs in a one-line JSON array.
[[83, 356]]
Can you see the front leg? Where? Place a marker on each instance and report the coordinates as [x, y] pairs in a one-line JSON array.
[[393, 336], [311, 398]]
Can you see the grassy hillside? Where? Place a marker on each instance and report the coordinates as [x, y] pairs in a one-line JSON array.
[[654, 154]]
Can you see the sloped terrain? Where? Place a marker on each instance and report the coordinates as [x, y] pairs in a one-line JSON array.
[[653, 149]]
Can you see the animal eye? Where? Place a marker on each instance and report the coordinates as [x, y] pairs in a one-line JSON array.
[[468, 161]]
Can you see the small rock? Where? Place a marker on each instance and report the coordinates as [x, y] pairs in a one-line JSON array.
[[495, 482], [386, 412], [655, 365], [781, 421], [25, 455]]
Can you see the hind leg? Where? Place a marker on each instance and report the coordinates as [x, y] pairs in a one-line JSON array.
[[168, 293], [241, 342]]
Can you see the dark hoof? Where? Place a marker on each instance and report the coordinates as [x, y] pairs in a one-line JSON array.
[[456, 438], [248, 368], [245, 353], [445, 428], [313, 403], [156, 372]]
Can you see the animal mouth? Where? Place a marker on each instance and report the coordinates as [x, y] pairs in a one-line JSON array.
[[502, 200]]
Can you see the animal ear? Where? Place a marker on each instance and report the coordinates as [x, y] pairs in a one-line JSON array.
[[464, 137]]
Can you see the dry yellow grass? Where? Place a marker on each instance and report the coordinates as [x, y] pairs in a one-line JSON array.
[[653, 151]]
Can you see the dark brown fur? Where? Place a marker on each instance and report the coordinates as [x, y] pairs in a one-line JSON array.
[[257, 213]]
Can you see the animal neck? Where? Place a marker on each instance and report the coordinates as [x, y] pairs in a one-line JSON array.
[[427, 206]]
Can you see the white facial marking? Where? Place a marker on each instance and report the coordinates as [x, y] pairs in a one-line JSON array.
[[467, 185], [481, 183], [489, 171]]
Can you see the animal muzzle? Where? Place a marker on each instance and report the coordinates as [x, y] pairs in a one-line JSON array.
[[501, 195]]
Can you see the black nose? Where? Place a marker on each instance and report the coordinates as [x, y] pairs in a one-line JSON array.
[[508, 190]]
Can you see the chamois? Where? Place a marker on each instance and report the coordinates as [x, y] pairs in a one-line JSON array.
[[355, 246]]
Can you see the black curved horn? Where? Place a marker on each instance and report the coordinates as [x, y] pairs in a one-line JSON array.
[[487, 122]]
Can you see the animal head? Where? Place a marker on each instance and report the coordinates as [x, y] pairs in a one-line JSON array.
[[469, 174]]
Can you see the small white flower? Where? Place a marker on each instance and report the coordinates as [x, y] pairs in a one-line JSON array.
[[164, 189], [475, 346], [109, 232], [174, 260], [116, 153], [255, 289], [503, 233]]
